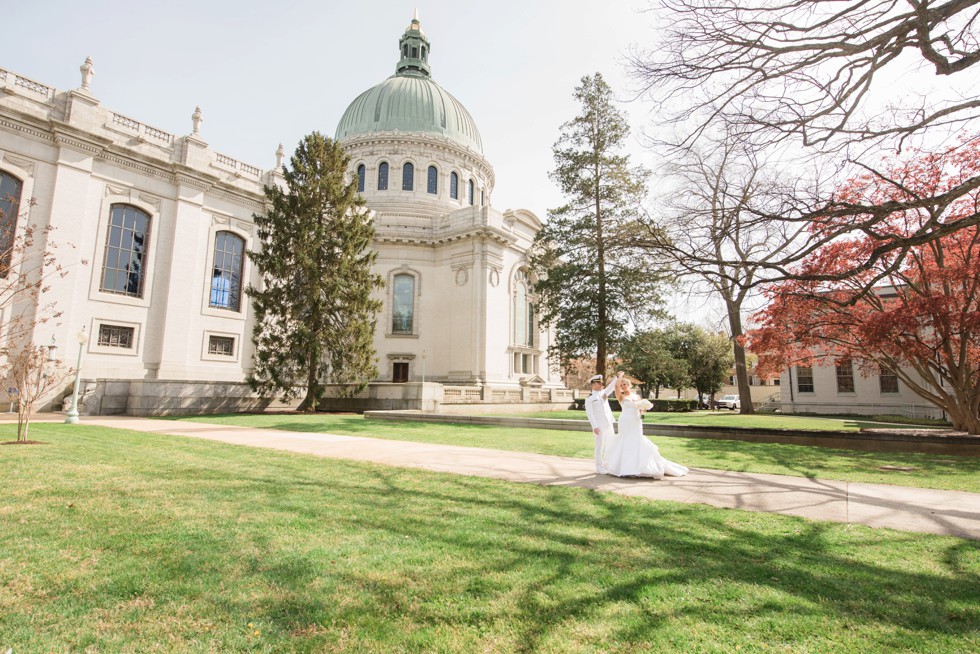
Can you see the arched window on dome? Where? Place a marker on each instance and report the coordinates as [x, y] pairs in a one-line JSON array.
[[433, 181], [360, 178], [10, 189], [454, 186], [383, 176], [408, 177], [226, 271], [469, 192]]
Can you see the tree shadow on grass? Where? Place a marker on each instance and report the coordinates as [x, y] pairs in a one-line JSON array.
[[538, 560], [813, 461], [395, 557]]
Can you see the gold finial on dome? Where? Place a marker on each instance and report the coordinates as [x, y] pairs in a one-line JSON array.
[[415, 25]]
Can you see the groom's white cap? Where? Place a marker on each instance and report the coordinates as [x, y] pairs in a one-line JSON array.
[[595, 378]]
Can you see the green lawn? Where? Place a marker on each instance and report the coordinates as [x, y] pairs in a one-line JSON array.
[[930, 470], [116, 541], [733, 419]]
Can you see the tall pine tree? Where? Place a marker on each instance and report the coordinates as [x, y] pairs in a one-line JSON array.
[[314, 315], [594, 285]]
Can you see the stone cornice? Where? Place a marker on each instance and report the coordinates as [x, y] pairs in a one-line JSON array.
[[432, 238], [64, 134], [26, 124]]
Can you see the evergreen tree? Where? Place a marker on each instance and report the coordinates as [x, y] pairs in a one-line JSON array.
[[314, 315], [592, 283]]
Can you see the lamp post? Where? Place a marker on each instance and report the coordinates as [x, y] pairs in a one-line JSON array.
[[72, 417]]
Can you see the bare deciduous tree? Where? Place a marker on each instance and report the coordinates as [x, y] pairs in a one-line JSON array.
[[29, 371], [27, 267], [713, 234], [844, 80]]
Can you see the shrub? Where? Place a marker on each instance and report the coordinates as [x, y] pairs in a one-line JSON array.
[[673, 405]]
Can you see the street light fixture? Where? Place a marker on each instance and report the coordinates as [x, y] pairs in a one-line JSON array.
[[72, 417]]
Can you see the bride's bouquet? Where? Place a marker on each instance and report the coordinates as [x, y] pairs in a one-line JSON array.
[[644, 405]]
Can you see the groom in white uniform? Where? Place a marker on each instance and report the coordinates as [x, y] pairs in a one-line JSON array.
[[600, 416]]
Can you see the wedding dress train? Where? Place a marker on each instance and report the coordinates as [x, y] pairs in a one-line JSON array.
[[631, 454]]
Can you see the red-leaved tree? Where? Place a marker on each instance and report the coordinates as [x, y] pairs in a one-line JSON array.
[[923, 323]]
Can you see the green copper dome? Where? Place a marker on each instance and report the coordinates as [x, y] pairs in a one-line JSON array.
[[409, 101]]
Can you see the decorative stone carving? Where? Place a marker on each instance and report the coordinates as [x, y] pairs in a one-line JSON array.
[[24, 164], [494, 277], [462, 276], [151, 200], [88, 71], [280, 153], [196, 119]]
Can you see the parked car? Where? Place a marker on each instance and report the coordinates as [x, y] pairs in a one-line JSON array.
[[728, 402]]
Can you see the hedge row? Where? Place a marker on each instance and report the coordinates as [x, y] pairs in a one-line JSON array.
[[664, 405]]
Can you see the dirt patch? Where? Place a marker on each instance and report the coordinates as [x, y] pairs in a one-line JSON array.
[[23, 443]]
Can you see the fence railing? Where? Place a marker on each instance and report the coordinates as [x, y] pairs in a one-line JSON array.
[[237, 166], [142, 129]]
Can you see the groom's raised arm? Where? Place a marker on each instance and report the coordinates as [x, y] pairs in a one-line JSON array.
[[610, 389]]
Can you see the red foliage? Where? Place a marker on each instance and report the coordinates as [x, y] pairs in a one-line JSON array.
[[922, 316]]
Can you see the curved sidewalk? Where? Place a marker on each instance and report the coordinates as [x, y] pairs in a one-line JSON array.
[[953, 513]]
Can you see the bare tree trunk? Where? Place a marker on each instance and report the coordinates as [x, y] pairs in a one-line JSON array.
[[741, 370]]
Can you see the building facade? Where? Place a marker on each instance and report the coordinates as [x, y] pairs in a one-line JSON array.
[[153, 229], [841, 388]]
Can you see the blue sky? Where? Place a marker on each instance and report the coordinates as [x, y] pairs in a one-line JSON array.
[[265, 73]]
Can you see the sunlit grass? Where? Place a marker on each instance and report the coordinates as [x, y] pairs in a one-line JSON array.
[[926, 470], [726, 418], [117, 541]]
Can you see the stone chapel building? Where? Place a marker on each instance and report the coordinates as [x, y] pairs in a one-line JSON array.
[[153, 228]]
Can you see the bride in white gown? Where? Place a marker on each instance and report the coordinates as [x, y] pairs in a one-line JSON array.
[[630, 453]]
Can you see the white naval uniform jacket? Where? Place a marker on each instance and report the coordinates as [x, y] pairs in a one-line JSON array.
[[597, 408]]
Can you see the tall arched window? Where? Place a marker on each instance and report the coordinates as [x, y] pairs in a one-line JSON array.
[[226, 271], [360, 178], [10, 189], [383, 176], [469, 192], [523, 311], [127, 240], [454, 186], [403, 304], [408, 177], [433, 181]]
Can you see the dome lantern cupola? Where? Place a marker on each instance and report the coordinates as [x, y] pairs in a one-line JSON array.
[[414, 49], [410, 101]]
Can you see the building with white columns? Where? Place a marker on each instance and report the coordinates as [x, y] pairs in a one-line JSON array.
[[153, 228]]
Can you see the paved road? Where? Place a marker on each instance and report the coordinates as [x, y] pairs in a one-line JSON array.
[[953, 513]]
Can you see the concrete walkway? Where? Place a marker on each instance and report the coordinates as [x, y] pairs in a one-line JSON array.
[[952, 513]]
